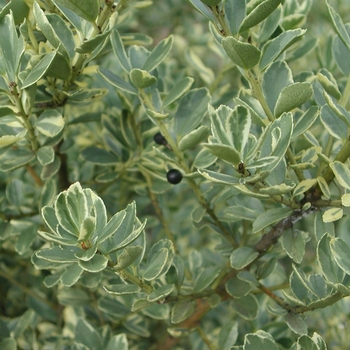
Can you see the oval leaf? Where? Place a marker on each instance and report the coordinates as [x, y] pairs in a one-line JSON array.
[[292, 96], [244, 55]]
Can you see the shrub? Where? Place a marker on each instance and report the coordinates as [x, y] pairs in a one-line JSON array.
[[166, 185]]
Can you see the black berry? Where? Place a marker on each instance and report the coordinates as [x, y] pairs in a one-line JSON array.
[[159, 139], [174, 176]]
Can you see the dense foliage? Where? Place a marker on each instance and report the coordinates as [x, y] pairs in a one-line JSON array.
[[174, 175]]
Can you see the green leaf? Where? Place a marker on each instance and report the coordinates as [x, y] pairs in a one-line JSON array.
[[270, 217], [305, 342], [160, 293], [87, 335], [332, 214], [341, 253], [341, 54], [26, 237], [293, 243], [292, 96], [6, 111], [45, 27], [119, 51], [15, 157], [11, 46], [246, 307], [45, 155], [141, 78], [71, 275], [88, 9], [304, 186], [99, 156], [72, 17], [235, 12], [119, 342], [182, 310], [15, 193], [196, 62], [73, 297], [158, 53], [112, 226], [206, 278], [296, 323], [242, 213], [243, 54], [305, 121], [127, 257], [19, 10], [193, 138], [58, 239], [57, 254], [328, 84], [127, 232], [51, 169], [339, 26], [334, 125], [237, 288], [86, 254], [191, 110], [242, 257], [259, 340], [8, 344], [96, 264], [260, 12], [276, 77], [345, 200], [325, 258], [122, 289], [203, 159], [226, 153], [341, 173], [276, 139], [88, 46], [116, 81], [273, 48], [178, 90], [204, 10], [156, 264], [40, 69], [211, 2], [63, 33], [228, 335], [50, 123]]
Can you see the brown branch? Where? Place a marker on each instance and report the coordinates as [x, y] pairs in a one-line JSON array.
[[271, 238]]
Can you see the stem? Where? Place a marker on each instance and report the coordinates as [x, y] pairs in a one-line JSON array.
[[26, 289], [35, 176], [319, 304], [220, 16], [183, 164], [158, 210], [292, 161], [271, 238], [205, 339], [346, 94], [342, 156], [25, 118], [261, 98], [259, 94], [125, 275], [280, 199]]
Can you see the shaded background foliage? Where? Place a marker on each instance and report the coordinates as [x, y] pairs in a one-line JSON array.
[[228, 312]]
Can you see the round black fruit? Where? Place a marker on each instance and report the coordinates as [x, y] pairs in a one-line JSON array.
[[174, 176], [159, 139]]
